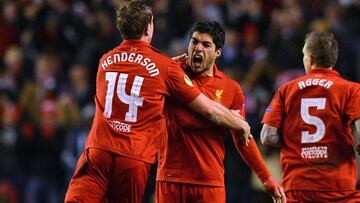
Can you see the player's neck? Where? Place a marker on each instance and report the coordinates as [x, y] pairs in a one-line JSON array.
[[146, 38], [208, 73], [318, 67]]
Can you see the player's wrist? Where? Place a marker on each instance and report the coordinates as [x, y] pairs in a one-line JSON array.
[[266, 179]]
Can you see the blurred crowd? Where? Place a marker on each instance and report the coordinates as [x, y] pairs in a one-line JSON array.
[[49, 52]]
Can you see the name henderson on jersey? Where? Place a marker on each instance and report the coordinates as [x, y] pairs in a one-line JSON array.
[[133, 58]]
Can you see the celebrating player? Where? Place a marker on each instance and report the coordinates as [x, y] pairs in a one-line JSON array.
[[311, 119], [191, 162], [129, 125]]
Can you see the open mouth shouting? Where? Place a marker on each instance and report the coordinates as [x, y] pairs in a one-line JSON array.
[[197, 60]]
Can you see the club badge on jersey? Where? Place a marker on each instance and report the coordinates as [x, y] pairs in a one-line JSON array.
[[218, 94]]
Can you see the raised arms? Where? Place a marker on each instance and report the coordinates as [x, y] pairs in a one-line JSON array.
[[269, 136]]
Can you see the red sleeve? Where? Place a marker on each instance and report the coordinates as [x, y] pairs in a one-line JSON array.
[[252, 157], [273, 113], [238, 102], [180, 85], [352, 109]]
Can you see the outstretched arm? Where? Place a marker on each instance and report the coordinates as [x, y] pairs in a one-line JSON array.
[[221, 115], [252, 157], [269, 136], [356, 133]]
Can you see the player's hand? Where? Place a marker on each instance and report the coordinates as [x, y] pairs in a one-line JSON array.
[[274, 190], [181, 58], [245, 132], [246, 128], [237, 113]]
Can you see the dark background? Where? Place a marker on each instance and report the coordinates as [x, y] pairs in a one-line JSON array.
[[49, 51]]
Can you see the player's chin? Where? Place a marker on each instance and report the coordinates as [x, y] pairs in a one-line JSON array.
[[196, 69]]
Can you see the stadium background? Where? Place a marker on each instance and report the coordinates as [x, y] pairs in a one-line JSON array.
[[49, 51]]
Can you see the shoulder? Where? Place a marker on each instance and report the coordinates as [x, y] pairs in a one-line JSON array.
[[292, 83], [228, 80], [162, 60], [347, 82], [354, 87]]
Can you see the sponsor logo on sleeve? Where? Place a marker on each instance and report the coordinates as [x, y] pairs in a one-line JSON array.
[[268, 109]]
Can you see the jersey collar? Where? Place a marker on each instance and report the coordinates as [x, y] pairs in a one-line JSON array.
[[217, 72], [138, 43], [185, 66], [324, 71]]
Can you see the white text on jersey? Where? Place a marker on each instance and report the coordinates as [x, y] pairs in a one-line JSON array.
[[315, 81], [120, 126], [133, 58]]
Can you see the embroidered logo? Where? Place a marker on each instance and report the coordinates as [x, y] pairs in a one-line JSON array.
[[188, 81], [133, 48], [218, 94]]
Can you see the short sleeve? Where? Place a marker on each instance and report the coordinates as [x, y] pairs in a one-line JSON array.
[[239, 100], [352, 109], [274, 112], [180, 85]]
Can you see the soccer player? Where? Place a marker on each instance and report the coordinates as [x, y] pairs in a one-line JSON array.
[[191, 161], [132, 82], [311, 119]]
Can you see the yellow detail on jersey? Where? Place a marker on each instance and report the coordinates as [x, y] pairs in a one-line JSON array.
[[218, 94], [188, 81]]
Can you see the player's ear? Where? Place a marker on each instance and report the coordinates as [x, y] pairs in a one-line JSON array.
[[311, 60], [149, 28], [218, 53]]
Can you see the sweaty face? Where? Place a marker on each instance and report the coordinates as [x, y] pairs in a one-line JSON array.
[[202, 53]]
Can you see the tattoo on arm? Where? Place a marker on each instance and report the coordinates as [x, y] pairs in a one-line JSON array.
[[269, 136], [356, 130], [215, 119]]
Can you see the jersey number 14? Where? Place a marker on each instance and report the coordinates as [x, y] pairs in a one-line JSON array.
[[133, 99]]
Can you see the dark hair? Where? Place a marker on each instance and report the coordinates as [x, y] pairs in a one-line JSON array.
[[323, 47], [214, 29], [132, 17]]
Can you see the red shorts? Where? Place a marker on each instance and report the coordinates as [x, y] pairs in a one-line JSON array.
[[167, 192], [101, 176], [303, 196]]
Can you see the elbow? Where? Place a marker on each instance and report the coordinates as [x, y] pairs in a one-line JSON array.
[[271, 142], [270, 137], [264, 140]]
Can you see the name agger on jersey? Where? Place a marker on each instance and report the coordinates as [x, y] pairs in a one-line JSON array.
[[315, 81]]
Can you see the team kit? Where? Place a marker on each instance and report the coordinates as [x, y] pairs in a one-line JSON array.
[[177, 111]]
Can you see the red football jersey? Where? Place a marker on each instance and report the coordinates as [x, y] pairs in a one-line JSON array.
[[194, 152], [132, 82], [313, 114]]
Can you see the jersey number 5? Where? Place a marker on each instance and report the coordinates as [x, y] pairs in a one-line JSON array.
[[133, 100], [319, 103]]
